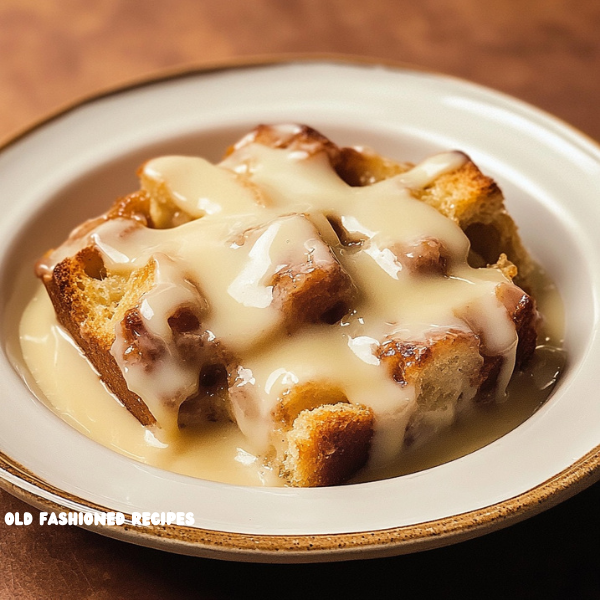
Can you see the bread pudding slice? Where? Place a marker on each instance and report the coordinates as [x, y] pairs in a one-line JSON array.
[[337, 305]]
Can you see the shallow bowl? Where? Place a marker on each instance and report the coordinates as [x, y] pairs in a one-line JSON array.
[[71, 165]]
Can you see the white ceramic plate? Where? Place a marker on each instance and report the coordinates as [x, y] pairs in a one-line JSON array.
[[71, 165]]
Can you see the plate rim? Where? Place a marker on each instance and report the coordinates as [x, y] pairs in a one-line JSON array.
[[264, 60], [294, 548], [302, 548]]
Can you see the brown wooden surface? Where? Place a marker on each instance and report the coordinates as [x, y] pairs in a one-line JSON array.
[[545, 52]]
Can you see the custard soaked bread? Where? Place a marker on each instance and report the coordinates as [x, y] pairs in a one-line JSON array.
[[336, 305]]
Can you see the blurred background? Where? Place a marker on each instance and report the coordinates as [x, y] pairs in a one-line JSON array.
[[546, 52]]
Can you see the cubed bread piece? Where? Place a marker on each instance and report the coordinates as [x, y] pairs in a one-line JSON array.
[[90, 303], [308, 282], [308, 293], [311, 448], [425, 257], [443, 367], [475, 202], [446, 371], [328, 444]]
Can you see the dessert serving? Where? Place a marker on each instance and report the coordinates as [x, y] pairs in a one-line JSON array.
[[336, 307]]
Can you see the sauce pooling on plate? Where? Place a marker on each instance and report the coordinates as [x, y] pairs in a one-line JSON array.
[[218, 451]]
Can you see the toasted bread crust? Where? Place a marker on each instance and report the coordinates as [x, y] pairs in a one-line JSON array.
[[71, 290], [328, 444], [522, 310]]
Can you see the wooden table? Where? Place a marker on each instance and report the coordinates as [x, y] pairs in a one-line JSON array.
[[544, 52]]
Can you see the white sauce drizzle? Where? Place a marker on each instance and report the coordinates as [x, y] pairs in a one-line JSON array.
[[262, 210]]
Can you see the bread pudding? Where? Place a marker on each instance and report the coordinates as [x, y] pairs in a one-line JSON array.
[[337, 306]]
